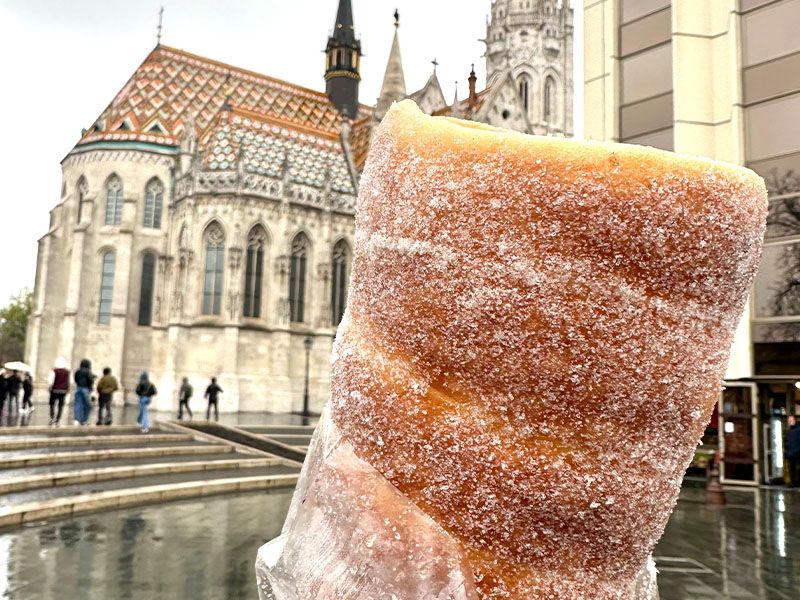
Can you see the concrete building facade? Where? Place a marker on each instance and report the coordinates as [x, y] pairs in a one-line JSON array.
[[719, 79]]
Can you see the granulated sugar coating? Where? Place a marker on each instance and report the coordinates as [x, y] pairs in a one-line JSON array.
[[536, 335]]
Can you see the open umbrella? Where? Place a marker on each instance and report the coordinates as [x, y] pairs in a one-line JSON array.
[[17, 366]]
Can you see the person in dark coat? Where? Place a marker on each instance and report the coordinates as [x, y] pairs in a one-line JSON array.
[[59, 387], [13, 384], [106, 387], [212, 393], [145, 390], [792, 451], [3, 391], [84, 379], [27, 392], [184, 395]]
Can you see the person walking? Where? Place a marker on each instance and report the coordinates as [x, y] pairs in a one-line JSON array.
[[212, 393], [145, 390], [3, 390], [12, 391], [58, 385], [27, 392], [84, 378], [106, 387], [184, 395], [792, 447]]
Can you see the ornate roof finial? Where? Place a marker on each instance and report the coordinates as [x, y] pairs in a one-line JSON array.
[[396, 18], [159, 28]]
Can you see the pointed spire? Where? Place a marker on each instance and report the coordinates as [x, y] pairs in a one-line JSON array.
[[473, 80], [344, 28], [394, 81], [455, 100], [342, 60]]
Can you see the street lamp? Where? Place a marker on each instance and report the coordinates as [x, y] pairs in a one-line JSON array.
[[307, 343]]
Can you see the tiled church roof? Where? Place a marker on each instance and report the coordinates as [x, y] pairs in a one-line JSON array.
[[172, 87], [268, 148]]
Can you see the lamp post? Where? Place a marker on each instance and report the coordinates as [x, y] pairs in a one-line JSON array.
[[307, 343]]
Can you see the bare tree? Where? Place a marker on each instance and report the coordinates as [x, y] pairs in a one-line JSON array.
[[783, 219]]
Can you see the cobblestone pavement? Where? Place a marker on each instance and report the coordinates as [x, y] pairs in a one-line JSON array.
[[204, 550]]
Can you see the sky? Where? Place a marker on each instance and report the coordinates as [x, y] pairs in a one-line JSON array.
[[62, 62]]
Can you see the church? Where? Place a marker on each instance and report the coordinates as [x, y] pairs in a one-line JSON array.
[[206, 220]]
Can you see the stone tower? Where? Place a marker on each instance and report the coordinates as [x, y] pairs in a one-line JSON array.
[[342, 57], [531, 41]]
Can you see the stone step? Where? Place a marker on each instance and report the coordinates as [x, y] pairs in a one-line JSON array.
[[292, 440], [90, 440], [99, 446], [280, 429], [94, 487], [83, 476], [14, 516], [55, 458], [107, 463], [46, 430]]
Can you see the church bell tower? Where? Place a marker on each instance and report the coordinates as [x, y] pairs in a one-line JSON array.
[[342, 57]]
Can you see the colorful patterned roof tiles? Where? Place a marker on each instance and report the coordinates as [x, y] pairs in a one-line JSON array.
[[268, 148], [172, 86]]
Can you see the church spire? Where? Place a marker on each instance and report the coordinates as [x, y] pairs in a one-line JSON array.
[[342, 57], [394, 81]]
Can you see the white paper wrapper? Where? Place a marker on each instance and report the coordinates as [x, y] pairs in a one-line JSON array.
[[351, 534]]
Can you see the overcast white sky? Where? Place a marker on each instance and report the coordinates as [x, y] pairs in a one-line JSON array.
[[62, 61]]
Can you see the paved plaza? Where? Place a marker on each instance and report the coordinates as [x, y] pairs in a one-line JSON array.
[[204, 550]]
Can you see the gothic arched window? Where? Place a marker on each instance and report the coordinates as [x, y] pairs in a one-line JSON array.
[[297, 278], [146, 287], [153, 203], [215, 266], [339, 263], [524, 90], [254, 271], [114, 201], [549, 99], [82, 189], [108, 264]]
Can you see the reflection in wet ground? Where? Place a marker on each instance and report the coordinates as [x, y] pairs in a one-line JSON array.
[[204, 550], [749, 549]]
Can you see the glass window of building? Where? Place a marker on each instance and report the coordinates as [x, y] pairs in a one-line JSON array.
[[108, 264], [146, 288], [153, 203], [297, 278], [254, 272], [114, 201], [339, 266], [214, 269]]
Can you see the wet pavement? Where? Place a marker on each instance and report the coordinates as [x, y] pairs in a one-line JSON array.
[[198, 550], [204, 550]]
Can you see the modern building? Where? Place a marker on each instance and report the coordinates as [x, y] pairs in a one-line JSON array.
[[206, 219], [720, 79]]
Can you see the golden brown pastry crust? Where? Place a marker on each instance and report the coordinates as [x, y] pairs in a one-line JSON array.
[[536, 334]]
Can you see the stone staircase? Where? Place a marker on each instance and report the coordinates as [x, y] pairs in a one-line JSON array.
[[48, 473], [297, 436]]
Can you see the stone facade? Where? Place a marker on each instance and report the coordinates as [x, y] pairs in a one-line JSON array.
[[245, 184], [529, 47]]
